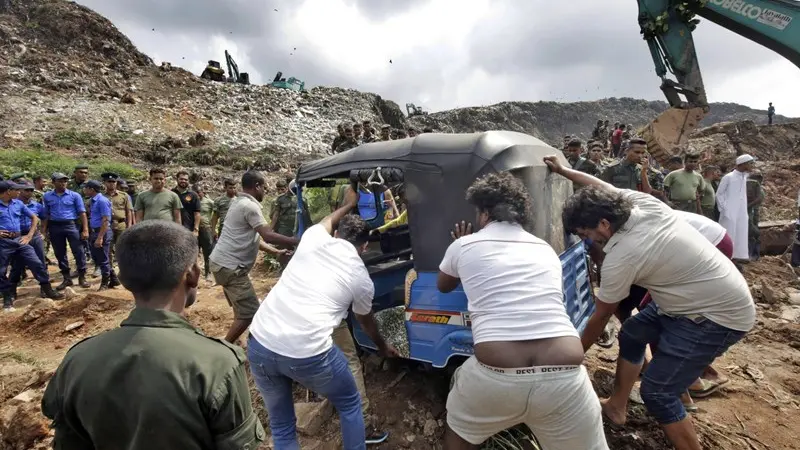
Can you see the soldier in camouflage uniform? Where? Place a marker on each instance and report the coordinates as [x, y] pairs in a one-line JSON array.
[[596, 155], [386, 132], [597, 132], [357, 132], [349, 141], [627, 173], [369, 135], [755, 198], [578, 162], [283, 215], [221, 206], [339, 137]]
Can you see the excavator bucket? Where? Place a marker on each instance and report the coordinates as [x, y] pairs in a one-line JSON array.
[[667, 135]]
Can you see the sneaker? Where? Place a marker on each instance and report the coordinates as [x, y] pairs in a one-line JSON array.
[[375, 437]]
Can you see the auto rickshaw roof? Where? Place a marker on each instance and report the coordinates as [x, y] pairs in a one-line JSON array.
[[502, 150]]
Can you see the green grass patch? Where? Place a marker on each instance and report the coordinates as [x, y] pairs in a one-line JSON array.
[[42, 162], [21, 358], [71, 138]]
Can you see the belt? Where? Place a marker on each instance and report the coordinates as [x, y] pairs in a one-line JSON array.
[[530, 370], [63, 222]]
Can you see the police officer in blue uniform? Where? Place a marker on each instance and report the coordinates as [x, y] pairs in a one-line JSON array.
[[100, 234], [62, 208], [26, 196], [14, 245]]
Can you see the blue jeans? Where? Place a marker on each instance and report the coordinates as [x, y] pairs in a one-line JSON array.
[[326, 374], [101, 256], [62, 233], [682, 349]]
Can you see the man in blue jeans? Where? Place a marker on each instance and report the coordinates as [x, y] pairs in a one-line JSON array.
[[62, 208], [701, 304], [290, 336]]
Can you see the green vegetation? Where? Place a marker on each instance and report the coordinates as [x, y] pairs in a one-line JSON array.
[[21, 358], [73, 137], [37, 161]]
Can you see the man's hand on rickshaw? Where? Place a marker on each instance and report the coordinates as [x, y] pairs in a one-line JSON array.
[[461, 229], [553, 163], [285, 252], [389, 352]]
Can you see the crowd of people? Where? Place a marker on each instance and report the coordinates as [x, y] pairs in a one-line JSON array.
[[661, 248], [352, 134]]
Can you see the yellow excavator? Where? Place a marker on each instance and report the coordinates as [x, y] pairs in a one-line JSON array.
[[667, 27]]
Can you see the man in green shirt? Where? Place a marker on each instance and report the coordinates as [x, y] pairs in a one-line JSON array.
[[685, 186], [158, 203], [221, 206], [155, 382], [205, 237], [755, 198], [627, 173], [284, 210], [708, 199]]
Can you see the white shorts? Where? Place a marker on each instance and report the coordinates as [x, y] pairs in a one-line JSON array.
[[557, 403]]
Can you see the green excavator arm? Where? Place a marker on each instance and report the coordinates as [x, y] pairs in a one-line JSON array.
[[667, 27]]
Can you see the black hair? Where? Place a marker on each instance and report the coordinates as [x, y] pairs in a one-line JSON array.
[[353, 229], [691, 156], [675, 159], [251, 178], [229, 182], [153, 255], [587, 207], [156, 170], [197, 187], [181, 172], [708, 169], [503, 197], [637, 141], [38, 178], [622, 126]]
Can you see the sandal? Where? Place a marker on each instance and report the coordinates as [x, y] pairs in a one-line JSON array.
[[709, 387], [690, 407]]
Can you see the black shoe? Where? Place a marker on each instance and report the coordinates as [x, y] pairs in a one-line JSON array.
[[48, 292], [74, 274], [82, 280], [113, 281], [103, 283], [375, 437], [65, 284]]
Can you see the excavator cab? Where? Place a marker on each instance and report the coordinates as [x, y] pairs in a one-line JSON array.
[[213, 71], [292, 83]]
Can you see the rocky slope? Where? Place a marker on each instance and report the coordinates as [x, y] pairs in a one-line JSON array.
[[551, 121]]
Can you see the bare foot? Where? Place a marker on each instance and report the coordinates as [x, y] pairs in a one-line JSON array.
[[612, 413]]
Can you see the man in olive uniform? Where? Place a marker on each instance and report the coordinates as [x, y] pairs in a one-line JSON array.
[[386, 132], [205, 237], [578, 162], [708, 200], [368, 126], [80, 175], [349, 140], [131, 190], [221, 206], [755, 198], [339, 137], [283, 215], [357, 131], [369, 135], [121, 209], [155, 382], [597, 131], [626, 173]]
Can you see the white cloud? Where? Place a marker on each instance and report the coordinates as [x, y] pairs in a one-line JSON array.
[[451, 53]]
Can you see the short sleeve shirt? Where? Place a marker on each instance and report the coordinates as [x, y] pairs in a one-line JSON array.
[[221, 206], [120, 204], [684, 185], [238, 243], [325, 277], [158, 205], [206, 208], [99, 207], [190, 203], [684, 272], [63, 207]]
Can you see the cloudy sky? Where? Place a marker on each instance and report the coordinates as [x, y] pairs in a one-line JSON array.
[[448, 53]]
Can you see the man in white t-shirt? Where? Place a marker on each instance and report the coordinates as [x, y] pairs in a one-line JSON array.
[[527, 364], [701, 303], [290, 337]]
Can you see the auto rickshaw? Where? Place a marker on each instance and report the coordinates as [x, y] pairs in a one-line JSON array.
[[403, 262]]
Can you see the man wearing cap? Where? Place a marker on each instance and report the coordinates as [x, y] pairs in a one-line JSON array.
[[386, 132], [62, 208], [732, 204], [121, 208], [100, 214], [15, 245], [26, 197], [130, 189]]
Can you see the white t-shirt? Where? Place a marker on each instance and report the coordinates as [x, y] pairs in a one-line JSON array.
[[324, 277], [684, 272], [513, 284], [710, 230]]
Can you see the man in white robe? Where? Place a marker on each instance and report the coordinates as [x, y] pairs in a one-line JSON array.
[[732, 204]]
